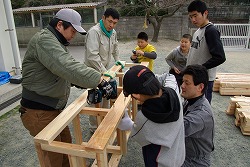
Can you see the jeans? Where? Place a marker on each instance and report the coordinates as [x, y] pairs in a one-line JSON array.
[[34, 121]]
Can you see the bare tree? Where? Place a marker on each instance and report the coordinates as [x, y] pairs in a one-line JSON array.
[[157, 10]]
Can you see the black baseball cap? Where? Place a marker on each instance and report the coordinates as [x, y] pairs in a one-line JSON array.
[[140, 80]]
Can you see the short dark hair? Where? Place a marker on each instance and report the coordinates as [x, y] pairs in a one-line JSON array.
[[142, 35], [112, 12], [199, 74], [54, 22], [188, 36], [197, 5]]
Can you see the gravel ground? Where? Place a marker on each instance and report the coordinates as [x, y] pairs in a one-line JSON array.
[[231, 147]]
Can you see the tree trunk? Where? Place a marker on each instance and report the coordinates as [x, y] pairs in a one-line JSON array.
[[157, 27]]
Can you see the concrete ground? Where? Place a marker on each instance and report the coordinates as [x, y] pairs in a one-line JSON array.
[[231, 147]]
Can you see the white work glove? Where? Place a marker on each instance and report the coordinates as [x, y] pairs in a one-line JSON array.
[[126, 122]]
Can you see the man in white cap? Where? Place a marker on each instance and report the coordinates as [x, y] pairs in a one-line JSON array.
[[48, 71]]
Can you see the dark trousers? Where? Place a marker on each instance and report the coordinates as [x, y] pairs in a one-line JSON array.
[[34, 121], [178, 77], [150, 153], [209, 91]]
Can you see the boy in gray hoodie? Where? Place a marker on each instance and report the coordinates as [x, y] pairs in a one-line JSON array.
[[158, 126]]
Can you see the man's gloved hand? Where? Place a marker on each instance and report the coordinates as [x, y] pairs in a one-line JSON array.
[[94, 96], [106, 89], [126, 122], [114, 86], [119, 62], [110, 74]]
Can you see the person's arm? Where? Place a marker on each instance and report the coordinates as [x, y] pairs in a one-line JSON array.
[[193, 123], [134, 59], [61, 63], [151, 55], [92, 50], [215, 48], [169, 59]]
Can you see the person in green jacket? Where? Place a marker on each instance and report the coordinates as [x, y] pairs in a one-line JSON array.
[[48, 70]]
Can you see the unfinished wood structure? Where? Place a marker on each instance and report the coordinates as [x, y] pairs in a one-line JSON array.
[[101, 142], [232, 84], [239, 106]]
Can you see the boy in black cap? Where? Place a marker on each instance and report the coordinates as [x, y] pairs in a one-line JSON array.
[[158, 127]]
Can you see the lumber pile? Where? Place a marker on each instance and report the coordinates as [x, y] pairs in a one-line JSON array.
[[232, 84], [239, 106]]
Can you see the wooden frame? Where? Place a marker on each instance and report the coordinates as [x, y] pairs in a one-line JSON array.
[[101, 142]]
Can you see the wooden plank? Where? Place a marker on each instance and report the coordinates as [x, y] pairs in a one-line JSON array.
[[243, 104], [114, 160], [122, 141], [134, 108], [54, 128], [231, 108], [77, 129], [40, 154], [69, 148], [234, 79], [134, 64], [235, 91], [245, 122], [244, 132], [229, 79], [229, 84], [103, 133], [95, 111], [76, 161], [102, 159], [238, 115], [232, 103], [216, 85], [230, 75]]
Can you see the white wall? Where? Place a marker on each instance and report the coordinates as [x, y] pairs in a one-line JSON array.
[[9, 51]]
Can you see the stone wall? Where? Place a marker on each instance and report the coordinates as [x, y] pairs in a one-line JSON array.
[[127, 29], [171, 28]]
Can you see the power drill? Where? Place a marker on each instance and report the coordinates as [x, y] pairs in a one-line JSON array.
[[94, 96]]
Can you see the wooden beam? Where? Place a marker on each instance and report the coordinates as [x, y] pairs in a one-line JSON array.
[[77, 129], [54, 128], [237, 84], [235, 91], [95, 111], [68, 148], [103, 133]]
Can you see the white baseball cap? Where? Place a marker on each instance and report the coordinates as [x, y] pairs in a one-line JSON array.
[[73, 17]]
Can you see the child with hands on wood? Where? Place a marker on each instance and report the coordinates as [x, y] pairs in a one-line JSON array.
[[158, 126], [144, 52]]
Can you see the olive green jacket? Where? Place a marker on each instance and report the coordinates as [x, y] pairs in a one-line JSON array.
[[48, 69]]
